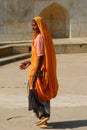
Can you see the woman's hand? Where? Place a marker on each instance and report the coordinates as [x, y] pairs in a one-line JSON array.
[[24, 65]]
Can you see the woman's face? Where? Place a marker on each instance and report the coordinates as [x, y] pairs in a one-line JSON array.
[[35, 27]]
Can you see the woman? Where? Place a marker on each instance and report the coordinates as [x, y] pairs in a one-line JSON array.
[[42, 75]]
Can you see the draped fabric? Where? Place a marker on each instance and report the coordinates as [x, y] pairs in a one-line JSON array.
[[47, 87]]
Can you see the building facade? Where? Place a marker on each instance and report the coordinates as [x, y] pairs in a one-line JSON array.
[[65, 18]]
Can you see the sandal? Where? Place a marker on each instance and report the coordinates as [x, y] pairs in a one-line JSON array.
[[42, 121], [44, 125]]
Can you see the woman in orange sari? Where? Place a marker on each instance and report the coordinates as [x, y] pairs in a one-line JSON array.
[[42, 75]]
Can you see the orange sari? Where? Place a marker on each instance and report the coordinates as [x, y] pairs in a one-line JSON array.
[[47, 87]]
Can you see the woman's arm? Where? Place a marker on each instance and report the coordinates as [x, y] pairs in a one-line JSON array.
[[38, 67]]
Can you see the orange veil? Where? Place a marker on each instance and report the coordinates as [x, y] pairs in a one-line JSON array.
[[49, 87]]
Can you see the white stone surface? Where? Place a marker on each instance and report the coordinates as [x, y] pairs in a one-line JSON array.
[[15, 18]]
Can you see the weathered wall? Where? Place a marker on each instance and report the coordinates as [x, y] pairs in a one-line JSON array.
[[74, 12], [78, 18], [56, 16], [65, 18], [15, 19]]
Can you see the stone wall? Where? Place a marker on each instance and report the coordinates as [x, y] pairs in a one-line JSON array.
[[56, 16], [78, 18], [15, 19], [74, 12], [65, 18]]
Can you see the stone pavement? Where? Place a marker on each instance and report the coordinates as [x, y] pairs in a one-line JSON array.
[[68, 109]]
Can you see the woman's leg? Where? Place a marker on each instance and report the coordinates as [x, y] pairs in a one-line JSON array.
[[43, 113], [44, 110]]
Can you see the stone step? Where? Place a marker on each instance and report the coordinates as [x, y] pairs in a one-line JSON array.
[[4, 43], [61, 48], [10, 52], [14, 58], [73, 45]]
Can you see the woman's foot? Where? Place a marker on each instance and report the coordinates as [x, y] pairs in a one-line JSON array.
[[42, 121], [44, 125], [37, 122]]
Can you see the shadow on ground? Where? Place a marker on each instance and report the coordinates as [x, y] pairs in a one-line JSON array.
[[68, 124]]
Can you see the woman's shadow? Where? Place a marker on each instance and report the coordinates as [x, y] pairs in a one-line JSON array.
[[67, 124]]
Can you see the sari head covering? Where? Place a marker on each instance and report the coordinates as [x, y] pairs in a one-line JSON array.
[[48, 87]]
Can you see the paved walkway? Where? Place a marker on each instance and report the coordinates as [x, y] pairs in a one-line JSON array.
[[68, 109]]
